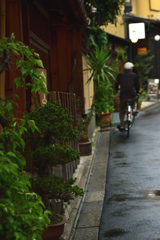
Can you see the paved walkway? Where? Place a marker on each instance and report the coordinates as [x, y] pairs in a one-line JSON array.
[[88, 223]]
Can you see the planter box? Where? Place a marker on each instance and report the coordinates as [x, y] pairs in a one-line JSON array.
[[85, 148]]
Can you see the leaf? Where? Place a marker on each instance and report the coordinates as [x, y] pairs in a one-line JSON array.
[[11, 154], [9, 106], [36, 55], [39, 63], [1, 146], [23, 70], [18, 82]]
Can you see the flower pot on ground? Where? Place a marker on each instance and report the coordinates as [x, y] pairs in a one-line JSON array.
[[104, 104], [54, 231], [105, 118], [85, 144], [85, 148]]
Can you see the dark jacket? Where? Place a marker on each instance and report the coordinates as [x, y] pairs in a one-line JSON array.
[[129, 84]]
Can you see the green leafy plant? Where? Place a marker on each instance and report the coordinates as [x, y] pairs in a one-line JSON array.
[[55, 127], [142, 95], [101, 74], [143, 66], [104, 98], [46, 149], [22, 214], [27, 61], [120, 55], [107, 11], [56, 187]]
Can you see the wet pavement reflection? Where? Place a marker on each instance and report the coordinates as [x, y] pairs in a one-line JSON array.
[[131, 209]]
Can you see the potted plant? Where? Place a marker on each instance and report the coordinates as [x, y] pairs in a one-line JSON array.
[[45, 147], [143, 66], [104, 104], [142, 95], [56, 228], [101, 74]]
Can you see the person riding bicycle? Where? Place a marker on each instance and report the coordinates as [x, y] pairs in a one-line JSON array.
[[129, 86]]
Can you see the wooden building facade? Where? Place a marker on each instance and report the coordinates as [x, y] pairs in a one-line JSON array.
[[56, 30]]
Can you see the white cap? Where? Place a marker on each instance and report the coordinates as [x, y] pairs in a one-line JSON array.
[[128, 65]]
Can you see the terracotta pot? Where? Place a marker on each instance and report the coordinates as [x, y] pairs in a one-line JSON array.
[[105, 118], [85, 148], [54, 231], [139, 105]]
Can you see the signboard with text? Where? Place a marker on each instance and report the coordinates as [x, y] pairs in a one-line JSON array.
[[153, 87]]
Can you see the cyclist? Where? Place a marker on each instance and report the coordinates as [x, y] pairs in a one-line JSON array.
[[129, 86]]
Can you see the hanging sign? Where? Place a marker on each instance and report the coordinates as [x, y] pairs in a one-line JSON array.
[[136, 31]]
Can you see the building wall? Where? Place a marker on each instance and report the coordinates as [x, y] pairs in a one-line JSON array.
[[88, 87], [144, 8], [117, 30]]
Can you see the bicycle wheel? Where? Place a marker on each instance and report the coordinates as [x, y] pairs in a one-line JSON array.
[[128, 128]]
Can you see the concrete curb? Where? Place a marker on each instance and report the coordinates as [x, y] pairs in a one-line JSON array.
[[82, 174], [149, 105]]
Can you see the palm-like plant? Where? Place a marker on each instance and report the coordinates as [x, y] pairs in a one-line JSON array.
[[101, 73]]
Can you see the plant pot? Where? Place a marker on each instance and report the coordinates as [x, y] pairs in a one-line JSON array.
[[139, 105], [85, 148], [54, 231], [105, 118]]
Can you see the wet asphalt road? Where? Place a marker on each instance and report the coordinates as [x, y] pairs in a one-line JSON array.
[[131, 208]]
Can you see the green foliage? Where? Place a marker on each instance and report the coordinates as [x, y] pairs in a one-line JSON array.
[[104, 98], [27, 62], [143, 66], [55, 124], [56, 187], [46, 149], [22, 214], [97, 65], [97, 38], [53, 155], [142, 95], [101, 73], [121, 54], [107, 11]]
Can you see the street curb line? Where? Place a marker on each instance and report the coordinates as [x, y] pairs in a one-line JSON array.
[[83, 173]]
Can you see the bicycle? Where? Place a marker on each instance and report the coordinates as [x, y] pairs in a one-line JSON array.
[[130, 115]]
